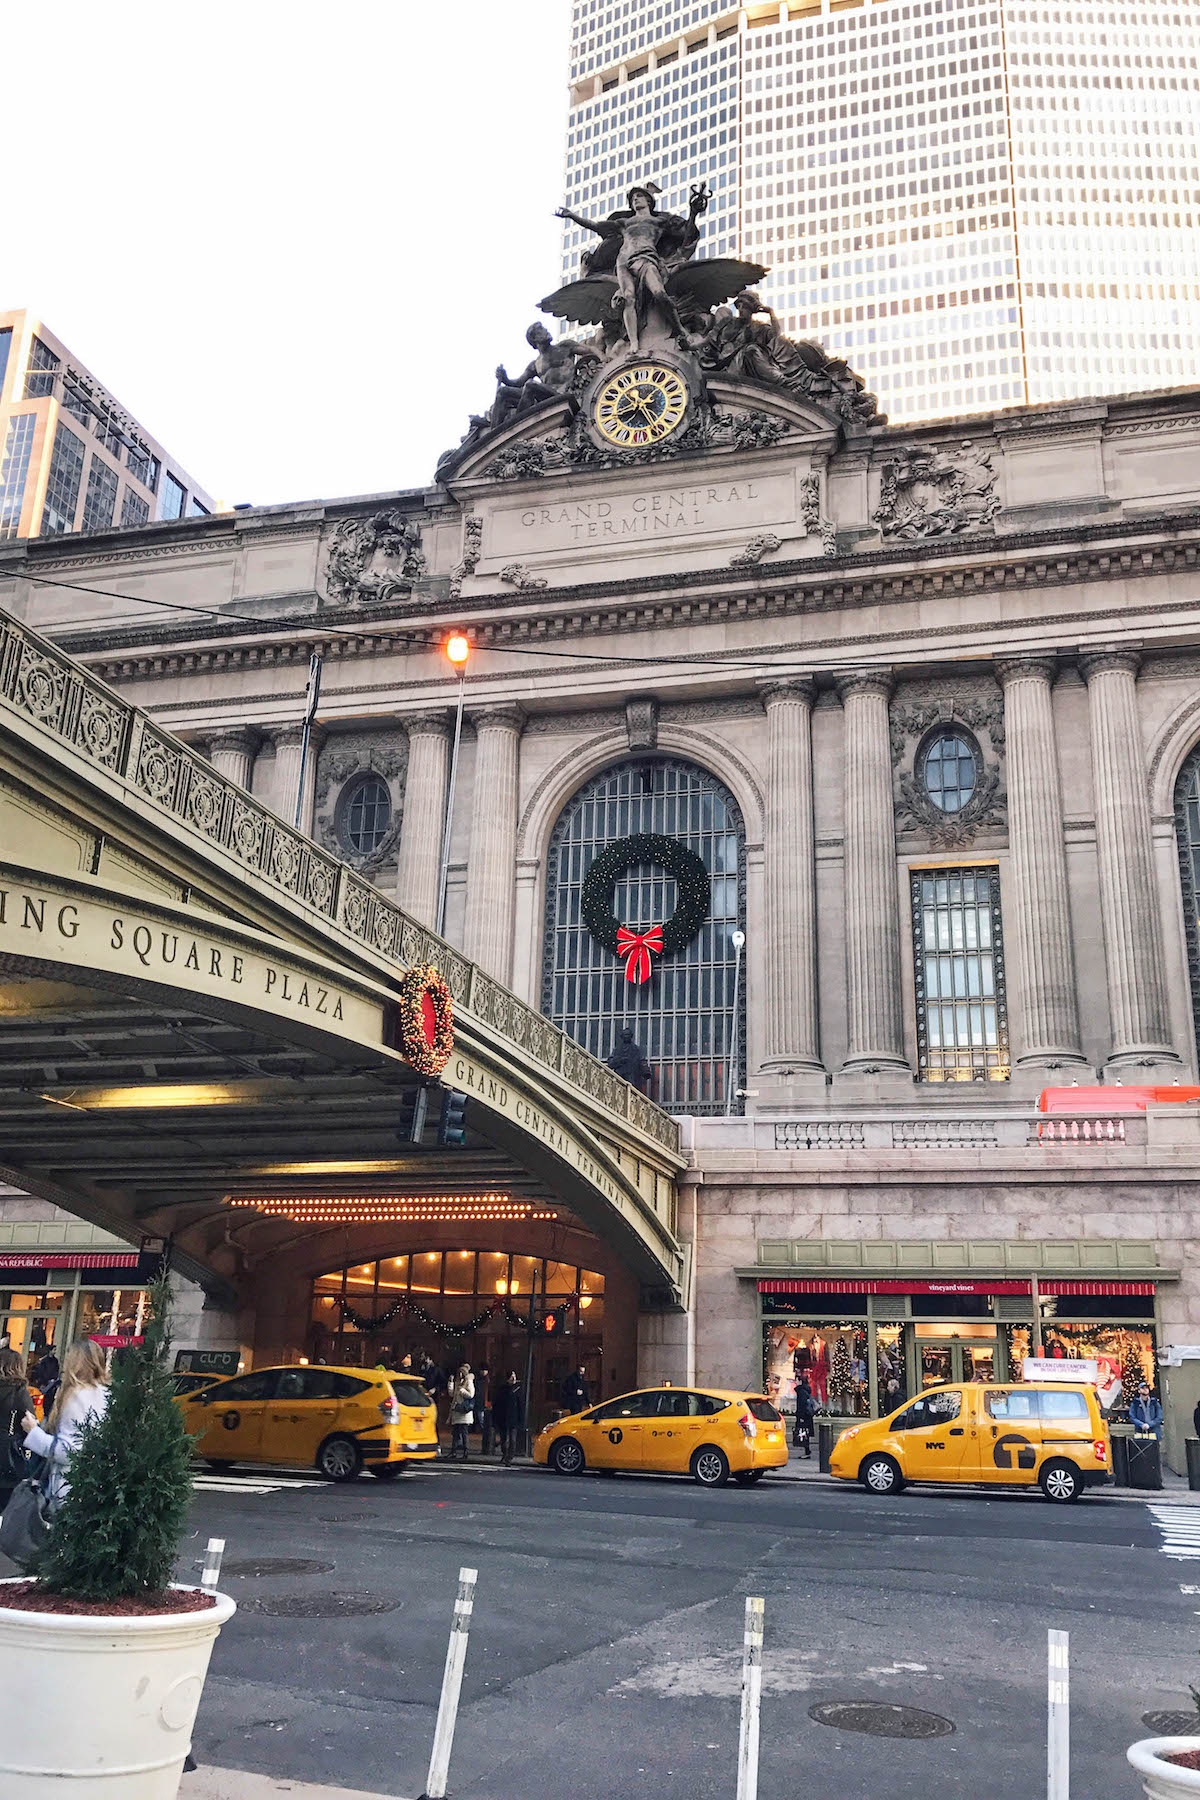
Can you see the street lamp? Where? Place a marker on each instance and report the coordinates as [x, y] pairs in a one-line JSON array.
[[458, 650], [738, 940]]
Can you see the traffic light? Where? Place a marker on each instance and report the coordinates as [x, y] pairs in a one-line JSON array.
[[552, 1323], [452, 1121]]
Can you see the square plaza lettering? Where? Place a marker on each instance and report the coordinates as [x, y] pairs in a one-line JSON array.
[[42, 924], [653, 513]]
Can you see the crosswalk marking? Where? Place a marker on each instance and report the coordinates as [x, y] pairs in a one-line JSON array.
[[1180, 1526], [222, 1484]]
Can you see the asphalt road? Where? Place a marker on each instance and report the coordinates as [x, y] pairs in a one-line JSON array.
[[605, 1653]]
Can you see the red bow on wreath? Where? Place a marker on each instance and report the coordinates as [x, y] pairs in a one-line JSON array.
[[635, 947]]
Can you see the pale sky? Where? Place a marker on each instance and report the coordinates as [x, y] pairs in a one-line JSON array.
[[292, 237]]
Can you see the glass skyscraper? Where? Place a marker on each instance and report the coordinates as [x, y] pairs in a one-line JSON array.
[[976, 205]]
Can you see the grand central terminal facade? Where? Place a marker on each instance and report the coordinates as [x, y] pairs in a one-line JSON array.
[[837, 781]]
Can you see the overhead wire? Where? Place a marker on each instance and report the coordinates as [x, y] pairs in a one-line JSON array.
[[432, 641]]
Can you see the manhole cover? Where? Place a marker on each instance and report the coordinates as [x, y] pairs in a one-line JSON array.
[[276, 1565], [317, 1606], [877, 1719], [1172, 1724]]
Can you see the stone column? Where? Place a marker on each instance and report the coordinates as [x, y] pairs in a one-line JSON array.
[[1041, 929], [232, 753], [288, 740], [1133, 943], [492, 857], [424, 815], [789, 967], [875, 1032]]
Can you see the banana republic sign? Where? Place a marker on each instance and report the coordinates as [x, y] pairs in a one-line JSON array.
[[85, 933]]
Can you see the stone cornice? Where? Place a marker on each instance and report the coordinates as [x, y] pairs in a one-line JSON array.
[[873, 578]]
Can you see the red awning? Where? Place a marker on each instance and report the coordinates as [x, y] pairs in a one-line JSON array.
[[69, 1259], [808, 1284]]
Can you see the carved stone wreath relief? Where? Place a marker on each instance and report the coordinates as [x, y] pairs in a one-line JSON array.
[[341, 761], [918, 711]]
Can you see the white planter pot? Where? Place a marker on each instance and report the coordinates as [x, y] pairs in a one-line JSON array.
[[1165, 1780], [101, 1708]]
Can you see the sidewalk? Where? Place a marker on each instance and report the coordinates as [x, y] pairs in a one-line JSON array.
[[239, 1784]]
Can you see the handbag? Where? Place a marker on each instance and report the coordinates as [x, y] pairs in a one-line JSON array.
[[14, 1464], [25, 1525]]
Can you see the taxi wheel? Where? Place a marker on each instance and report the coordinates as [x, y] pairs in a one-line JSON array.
[[339, 1459], [710, 1466], [880, 1475], [566, 1457], [1061, 1482], [748, 1477]]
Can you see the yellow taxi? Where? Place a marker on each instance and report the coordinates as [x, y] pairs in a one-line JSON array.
[[707, 1433], [1049, 1433], [337, 1420]]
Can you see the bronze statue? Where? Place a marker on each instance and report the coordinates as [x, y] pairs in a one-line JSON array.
[[550, 376], [642, 270]]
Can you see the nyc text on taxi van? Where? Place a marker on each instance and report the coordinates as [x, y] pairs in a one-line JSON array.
[[1050, 1433], [708, 1434], [336, 1420]]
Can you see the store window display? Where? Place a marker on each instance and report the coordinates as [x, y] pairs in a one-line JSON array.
[[1125, 1355], [890, 1369], [832, 1354]]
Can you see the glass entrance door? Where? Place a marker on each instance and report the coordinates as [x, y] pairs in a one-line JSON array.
[[947, 1360]]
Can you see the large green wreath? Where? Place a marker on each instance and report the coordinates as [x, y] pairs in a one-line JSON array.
[[693, 895]]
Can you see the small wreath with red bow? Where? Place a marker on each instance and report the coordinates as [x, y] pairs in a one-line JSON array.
[[693, 899], [426, 1020]]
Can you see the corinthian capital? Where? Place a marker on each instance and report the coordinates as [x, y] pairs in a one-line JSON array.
[[788, 688], [865, 681], [1024, 668], [1110, 657], [510, 717]]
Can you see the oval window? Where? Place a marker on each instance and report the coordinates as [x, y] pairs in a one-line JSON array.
[[948, 771], [366, 814]]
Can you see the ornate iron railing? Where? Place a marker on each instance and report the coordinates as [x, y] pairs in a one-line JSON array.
[[62, 697]]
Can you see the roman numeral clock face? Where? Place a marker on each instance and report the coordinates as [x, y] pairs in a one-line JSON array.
[[640, 405]]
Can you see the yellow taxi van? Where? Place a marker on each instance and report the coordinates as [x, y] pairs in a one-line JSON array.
[[335, 1420], [1049, 1433], [709, 1434]]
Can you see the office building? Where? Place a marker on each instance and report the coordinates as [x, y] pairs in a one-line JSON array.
[[976, 205], [71, 457]]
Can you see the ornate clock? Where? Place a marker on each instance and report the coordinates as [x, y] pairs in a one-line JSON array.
[[641, 404]]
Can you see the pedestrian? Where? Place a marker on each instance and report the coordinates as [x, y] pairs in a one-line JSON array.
[[483, 1407], [508, 1416], [82, 1396], [406, 1362], [46, 1379], [462, 1410], [1146, 1413], [14, 1404], [574, 1392], [805, 1407], [893, 1395], [1196, 1419]]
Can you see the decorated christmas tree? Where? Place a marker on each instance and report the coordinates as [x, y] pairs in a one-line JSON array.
[[1133, 1371], [841, 1371]]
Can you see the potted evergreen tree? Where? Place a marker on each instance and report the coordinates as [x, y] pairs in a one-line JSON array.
[[102, 1656]]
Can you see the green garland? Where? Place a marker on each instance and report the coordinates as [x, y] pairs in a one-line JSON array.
[[693, 893], [406, 1308]]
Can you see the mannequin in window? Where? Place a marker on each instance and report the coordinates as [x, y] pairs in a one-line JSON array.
[[818, 1373]]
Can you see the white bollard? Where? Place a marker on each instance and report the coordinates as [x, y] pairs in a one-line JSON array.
[[752, 1643], [211, 1572], [456, 1656], [1058, 1717]]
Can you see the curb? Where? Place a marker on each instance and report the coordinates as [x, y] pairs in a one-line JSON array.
[[242, 1784]]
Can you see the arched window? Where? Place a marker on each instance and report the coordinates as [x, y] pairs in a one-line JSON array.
[[1187, 837], [365, 813], [683, 1016]]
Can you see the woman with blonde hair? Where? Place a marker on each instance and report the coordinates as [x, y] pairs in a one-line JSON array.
[[462, 1410], [82, 1396]]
